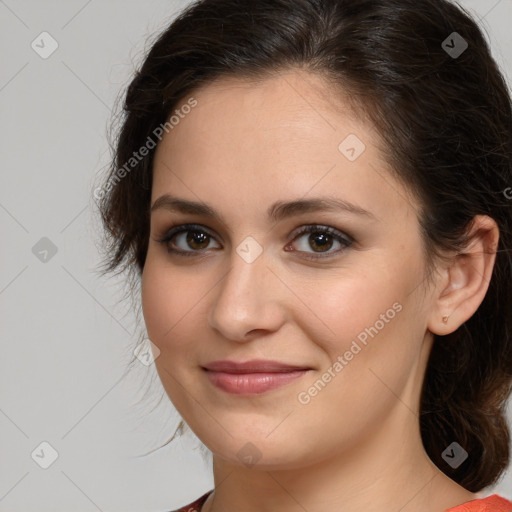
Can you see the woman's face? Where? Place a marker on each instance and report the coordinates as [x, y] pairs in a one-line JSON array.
[[345, 304]]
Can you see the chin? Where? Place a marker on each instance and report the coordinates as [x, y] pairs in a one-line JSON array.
[[259, 451]]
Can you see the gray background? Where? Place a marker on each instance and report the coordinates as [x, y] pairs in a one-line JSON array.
[[66, 336]]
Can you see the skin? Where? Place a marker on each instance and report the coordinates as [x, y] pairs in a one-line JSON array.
[[356, 445]]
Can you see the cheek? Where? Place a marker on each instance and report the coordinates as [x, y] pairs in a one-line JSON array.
[[169, 303], [366, 358], [167, 299], [153, 299], [362, 323], [342, 307], [367, 334]]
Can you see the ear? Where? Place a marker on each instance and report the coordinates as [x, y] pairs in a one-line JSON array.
[[464, 282]]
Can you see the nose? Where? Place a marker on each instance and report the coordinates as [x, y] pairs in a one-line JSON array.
[[248, 300]]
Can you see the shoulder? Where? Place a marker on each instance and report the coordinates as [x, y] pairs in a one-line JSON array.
[[494, 503], [196, 505]]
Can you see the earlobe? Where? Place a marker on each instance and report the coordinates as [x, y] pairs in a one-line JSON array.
[[467, 278]]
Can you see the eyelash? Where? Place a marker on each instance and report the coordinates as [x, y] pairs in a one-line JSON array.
[[343, 239]]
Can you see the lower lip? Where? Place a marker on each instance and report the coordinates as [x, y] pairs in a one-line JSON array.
[[252, 383]]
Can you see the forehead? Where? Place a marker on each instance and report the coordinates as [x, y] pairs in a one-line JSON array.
[[275, 139], [302, 103]]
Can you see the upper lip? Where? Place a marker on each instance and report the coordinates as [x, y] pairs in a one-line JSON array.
[[253, 366]]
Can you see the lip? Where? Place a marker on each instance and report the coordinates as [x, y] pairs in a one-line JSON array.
[[253, 366], [252, 377]]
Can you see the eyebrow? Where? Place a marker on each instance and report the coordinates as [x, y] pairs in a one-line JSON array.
[[278, 211]]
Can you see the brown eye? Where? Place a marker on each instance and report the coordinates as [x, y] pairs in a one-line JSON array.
[[197, 239], [187, 240], [321, 239]]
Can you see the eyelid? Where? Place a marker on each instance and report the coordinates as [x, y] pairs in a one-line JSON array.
[[341, 236], [344, 239], [312, 228], [179, 228]]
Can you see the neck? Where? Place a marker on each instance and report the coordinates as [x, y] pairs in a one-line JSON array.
[[388, 471]]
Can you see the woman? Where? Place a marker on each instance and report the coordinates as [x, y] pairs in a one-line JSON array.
[[315, 198]]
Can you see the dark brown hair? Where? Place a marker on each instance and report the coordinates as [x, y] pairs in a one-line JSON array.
[[445, 121]]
